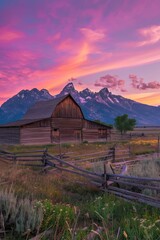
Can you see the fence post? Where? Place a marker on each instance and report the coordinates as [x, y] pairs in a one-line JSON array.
[[158, 146], [129, 150], [14, 158], [105, 177], [114, 150], [44, 157]]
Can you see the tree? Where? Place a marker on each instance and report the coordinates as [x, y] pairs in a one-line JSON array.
[[124, 124]]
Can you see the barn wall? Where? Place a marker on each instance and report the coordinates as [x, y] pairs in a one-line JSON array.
[[67, 109], [95, 132], [90, 135], [66, 129], [35, 135], [10, 135], [70, 135], [67, 123]]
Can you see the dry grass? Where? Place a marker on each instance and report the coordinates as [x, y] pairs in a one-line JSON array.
[[95, 210], [73, 148], [146, 168]]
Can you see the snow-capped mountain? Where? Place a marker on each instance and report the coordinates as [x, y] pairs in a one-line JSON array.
[[14, 108], [105, 106], [102, 105]]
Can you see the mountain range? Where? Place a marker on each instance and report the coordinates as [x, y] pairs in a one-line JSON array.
[[103, 105]]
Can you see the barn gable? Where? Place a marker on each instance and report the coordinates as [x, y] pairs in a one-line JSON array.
[[68, 108]]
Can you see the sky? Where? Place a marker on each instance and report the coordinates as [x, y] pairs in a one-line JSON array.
[[92, 43]]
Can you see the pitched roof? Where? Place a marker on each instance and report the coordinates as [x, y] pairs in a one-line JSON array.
[[43, 109], [19, 123], [100, 123]]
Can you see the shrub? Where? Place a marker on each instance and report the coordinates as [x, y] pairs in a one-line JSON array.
[[22, 216]]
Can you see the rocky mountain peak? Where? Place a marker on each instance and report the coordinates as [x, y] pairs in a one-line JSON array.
[[68, 88], [102, 105], [87, 93], [46, 94], [104, 92]]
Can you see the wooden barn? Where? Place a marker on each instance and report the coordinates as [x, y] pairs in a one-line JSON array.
[[53, 121]]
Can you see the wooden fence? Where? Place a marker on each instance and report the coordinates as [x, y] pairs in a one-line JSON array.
[[127, 187], [31, 158]]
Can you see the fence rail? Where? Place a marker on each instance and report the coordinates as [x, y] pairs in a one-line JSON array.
[[127, 187], [30, 158]]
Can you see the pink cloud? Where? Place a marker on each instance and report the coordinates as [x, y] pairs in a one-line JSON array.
[[9, 35], [54, 37], [71, 38], [152, 35], [111, 82], [93, 35], [72, 79], [80, 83], [76, 81], [139, 83], [66, 45]]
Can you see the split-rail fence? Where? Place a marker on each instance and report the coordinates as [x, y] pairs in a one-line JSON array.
[[130, 188]]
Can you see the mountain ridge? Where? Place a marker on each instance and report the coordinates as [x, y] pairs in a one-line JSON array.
[[102, 105]]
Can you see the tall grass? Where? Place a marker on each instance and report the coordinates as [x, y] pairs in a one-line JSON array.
[[19, 215], [56, 203]]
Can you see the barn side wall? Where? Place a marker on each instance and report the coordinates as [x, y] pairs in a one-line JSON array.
[[10, 135], [66, 129], [93, 131], [36, 133]]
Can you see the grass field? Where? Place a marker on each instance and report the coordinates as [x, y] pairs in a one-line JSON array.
[[56, 205]]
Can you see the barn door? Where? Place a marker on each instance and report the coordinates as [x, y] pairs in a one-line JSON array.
[[55, 135], [78, 135]]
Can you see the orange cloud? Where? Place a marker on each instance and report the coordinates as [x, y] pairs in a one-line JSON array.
[[58, 75], [80, 64], [153, 99]]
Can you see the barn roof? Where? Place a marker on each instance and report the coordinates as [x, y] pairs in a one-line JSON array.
[[19, 123], [100, 123], [44, 109]]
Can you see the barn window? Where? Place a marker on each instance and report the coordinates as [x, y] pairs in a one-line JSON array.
[[102, 133]]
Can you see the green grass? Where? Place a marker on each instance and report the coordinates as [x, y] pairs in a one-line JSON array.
[[79, 219], [68, 209]]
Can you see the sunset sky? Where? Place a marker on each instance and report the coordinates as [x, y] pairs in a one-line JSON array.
[[93, 43]]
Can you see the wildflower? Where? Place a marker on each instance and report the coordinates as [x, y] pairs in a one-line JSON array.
[[157, 221], [134, 208], [125, 234]]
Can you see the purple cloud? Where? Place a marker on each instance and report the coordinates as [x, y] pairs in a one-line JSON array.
[[139, 83], [111, 82]]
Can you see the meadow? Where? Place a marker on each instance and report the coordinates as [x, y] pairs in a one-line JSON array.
[[54, 205]]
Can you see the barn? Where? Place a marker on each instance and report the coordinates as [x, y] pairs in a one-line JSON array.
[[57, 120]]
